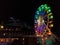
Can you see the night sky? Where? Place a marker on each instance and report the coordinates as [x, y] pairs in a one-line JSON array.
[[25, 9]]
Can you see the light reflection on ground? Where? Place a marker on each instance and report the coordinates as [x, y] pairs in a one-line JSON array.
[[6, 41]]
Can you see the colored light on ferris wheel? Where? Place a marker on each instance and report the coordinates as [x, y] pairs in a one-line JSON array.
[[48, 10], [51, 17], [42, 5], [39, 8], [45, 5], [37, 12], [51, 25], [50, 14], [37, 35], [49, 33], [36, 16]]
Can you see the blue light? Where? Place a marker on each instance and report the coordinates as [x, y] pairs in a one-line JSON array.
[[42, 13]]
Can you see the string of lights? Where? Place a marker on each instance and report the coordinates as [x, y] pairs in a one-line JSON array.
[[43, 22]]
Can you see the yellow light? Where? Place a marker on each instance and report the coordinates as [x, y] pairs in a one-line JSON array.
[[37, 35], [51, 25], [50, 14], [2, 26], [49, 33], [44, 30]]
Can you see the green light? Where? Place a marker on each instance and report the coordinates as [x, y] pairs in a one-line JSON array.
[[48, 42], [45, 5], [48, 10], [39, 8], [51, 17], [42, 5], [36, 16], [37, 12], [42, 8]]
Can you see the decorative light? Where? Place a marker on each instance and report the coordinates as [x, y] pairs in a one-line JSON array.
[[48, 11], [51, 25], [48, 8], [51, 17], [45, 5], [49, 33], [37, 35], [39, 8], [2, 26], [37, 12], [36, 16], [50, 14], [42, 5]]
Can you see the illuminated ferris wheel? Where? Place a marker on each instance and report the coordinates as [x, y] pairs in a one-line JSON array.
[[43, 18]]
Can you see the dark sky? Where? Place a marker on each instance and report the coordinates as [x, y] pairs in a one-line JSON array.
[[25, 9]]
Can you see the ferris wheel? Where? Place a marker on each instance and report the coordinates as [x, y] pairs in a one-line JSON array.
[[43, 16]]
